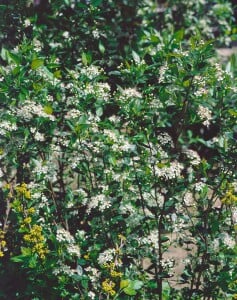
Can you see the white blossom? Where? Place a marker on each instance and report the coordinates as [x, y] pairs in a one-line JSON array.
[[193, 156], [205, 115], [106, 256], [228, 240], [162, 72], [7, 126], [169, 172], [63, 235]]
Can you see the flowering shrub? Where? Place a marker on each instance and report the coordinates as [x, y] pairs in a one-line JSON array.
[[212, 18], [93, 178], [104, 169]]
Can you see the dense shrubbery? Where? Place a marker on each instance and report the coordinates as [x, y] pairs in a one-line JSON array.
[[115, 134]]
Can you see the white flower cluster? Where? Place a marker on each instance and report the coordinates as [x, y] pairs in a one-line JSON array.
[[64, 236], [193, 156], [129, 93], [111, 135], [228, 240], [188, 199], [234, 215], [201, 92], [6, 126], [45, 169], [96, 33], [200, 82], [170, 172], [100, 201], [37, 45], [162, 72], [164, 138], [74, 250], [168, 265], [106, 256], [29, 109], [101, 90], [220, 74], [114, 119], [154, 199], [120, 143], [37, 135], [205, 115], [93, 273], [72, 114], [151, 239], [64, 269], [127, 208], [178, 224], [199, 186], [91, 72]]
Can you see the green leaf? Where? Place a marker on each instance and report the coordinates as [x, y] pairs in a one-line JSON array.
[[124, 283], [57, 74], [4, 54], [18, 259], [112, 160], [101, 47], [232, 112], [179, 35], [36, 63], [136, 284], [130, 291], [136, 57], [84, 283], [33, 262], [84, 59], [16, 71], [96, 2], [48, 110], [186, 83], [164, 239], [15, 58], [25, 251], [99, 111]]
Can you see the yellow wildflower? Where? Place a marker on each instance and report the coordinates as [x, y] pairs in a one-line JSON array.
[[114, 273], [108, 286], [22, 190], [229, 198], [31, 210], [27, 220], [36, 239]]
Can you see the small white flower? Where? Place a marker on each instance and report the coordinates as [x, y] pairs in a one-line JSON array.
[[228, 240], [106, 256], [91, 295], [205, 115]]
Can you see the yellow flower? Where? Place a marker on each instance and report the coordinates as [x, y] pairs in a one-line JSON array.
[[31, 210], [3, 243], [229, 197], [22, 190], [114, 273], [27, 220], [108, 286], [36, 239]]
